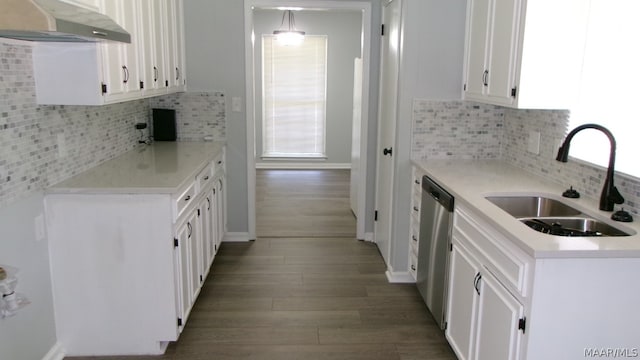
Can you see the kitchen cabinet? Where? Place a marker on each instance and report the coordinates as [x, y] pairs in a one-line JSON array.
[[485, 321], [414, 220], [524, 54], [127, 243], [109, 72]]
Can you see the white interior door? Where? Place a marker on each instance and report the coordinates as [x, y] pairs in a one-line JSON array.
[[390, 56], [355, 134]]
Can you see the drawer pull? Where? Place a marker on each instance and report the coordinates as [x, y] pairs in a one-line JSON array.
[[219, 162], [417, 181], [415, 208], [413, 267], [206, 178], [187, 198], [414, 238]]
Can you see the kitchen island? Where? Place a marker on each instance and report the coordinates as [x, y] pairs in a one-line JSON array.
[[131, 242], [515, 293]]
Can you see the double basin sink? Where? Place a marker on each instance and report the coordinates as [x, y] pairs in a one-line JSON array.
[[553, 216]]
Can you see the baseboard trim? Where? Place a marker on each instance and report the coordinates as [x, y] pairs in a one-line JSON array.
[[236, 237], [56, 353], [303, 166], [399, 277]]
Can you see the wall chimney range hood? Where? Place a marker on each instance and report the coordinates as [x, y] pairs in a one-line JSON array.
[[56, 21]]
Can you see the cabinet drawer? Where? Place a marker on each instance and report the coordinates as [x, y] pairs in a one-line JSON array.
[[218, 164], [501, 257], [184, 199], [205, 177]]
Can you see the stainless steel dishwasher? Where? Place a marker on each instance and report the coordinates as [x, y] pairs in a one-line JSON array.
[[436, 220]]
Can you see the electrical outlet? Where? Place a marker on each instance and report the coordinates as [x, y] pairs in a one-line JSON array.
[[533, 145]]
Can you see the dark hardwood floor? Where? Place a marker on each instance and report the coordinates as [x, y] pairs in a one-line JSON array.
[[316, 295]]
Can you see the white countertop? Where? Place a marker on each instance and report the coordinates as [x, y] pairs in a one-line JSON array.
[[161, 167], [469, 181]]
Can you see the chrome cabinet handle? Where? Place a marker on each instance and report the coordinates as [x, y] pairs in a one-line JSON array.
[[155, 74], [177, 73], [190, 230], [485, 78]]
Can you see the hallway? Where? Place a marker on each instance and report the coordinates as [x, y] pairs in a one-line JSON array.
[[319, 296]]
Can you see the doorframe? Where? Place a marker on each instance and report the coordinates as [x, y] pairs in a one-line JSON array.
[[249, 39]]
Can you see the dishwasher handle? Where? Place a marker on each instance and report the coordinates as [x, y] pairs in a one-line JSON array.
[[437, 193]]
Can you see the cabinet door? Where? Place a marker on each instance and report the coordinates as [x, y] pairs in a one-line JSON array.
[[195, 249], [462, 301], [478, 16], [175, 45], [183, 273], [208, 242], [153, 72], [221, 207], [502, 50], [497, 333], [120, 60]]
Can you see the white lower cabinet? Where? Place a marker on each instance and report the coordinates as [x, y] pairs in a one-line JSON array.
[[127, 268], [485, 321]]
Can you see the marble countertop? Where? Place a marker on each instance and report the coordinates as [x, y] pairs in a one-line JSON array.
[[470, 181], [162, 167]]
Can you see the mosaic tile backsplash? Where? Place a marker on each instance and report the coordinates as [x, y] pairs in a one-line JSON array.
[[42, 145], [456, 130], [198, 114], [467, 130]]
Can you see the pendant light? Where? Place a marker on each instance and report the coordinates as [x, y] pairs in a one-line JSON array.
[[289, 36]]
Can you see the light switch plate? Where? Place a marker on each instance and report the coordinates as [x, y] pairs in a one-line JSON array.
[[236, 104]]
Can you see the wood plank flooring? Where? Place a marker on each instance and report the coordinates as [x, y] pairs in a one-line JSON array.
[[321, 297]]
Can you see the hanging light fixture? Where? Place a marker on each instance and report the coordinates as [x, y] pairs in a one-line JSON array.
[[289, 36]]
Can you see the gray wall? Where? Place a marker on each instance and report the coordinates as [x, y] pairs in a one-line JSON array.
[[214, 35], [343, 30], [215, 62]]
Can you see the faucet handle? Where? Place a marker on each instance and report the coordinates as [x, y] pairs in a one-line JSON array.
[[571, 193], [622, 215]]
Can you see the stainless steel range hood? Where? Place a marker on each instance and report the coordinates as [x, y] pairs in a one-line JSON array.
[[54, 20]]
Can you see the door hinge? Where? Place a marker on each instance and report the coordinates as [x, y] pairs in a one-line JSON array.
[[141, 85], [375, 216], [200, 278], [175, 242], [382, 30], [179, 321], [445, 325], [103, 88], [464, 87], [166, 83], [514, 91], [522, 324], [198, 212], [450, 247]]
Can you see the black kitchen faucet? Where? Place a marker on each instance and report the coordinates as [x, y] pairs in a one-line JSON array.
[[610, 194]]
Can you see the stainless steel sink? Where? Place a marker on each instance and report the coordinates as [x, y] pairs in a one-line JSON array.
[[532, 206], [554, 217], [572, 226]]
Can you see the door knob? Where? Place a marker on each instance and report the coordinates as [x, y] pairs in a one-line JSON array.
[[387, 151]]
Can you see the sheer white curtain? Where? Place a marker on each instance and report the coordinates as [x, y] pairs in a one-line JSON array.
[[608, 94], [294, 82]]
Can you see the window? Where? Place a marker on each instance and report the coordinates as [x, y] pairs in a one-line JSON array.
[[611, 73], [294, 82]]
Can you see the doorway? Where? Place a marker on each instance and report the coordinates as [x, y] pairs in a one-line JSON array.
[[254, 106]]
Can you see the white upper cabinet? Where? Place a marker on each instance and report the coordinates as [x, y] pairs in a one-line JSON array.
[[524, 54], [110, 72], [121, 61]]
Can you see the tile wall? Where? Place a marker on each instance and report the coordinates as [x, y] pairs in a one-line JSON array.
[[42, 145], [467, 130], [198, 114], [456, 130]]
